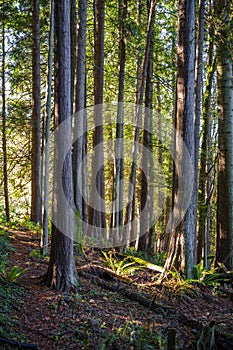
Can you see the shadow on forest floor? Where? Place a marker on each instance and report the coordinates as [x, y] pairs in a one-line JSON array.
[[107, 313]]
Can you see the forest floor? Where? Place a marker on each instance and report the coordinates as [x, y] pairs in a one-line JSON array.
[[108, 313]]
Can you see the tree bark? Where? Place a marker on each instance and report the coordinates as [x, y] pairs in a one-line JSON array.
[[132, 187], [119, 145], [97, 213], [224, 252], [147, 188], [73, 43], [133, 236], [183, 236], [46, 156], [62, 274], [198, 93], [4, 141], [80, 191], [203, 203], [36, 207]]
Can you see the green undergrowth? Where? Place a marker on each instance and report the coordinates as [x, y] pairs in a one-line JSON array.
[[11, 295], [157, 259], [130, 336], [11, 304], [129, 262], [177, 284], [8, 274]]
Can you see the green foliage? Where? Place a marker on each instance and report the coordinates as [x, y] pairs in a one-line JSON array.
[[7, 274], [38, 253], [176, 283], [31, 226], [179, 284], [157, 259], [140, 337], [207, 338], [11, 274], [5, 248], [105, 344], [11, 298], [121, 267], [147, 264], [208, 278], [198, 271]]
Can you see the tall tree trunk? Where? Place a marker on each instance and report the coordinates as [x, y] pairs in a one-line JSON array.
[[119, 145], [224, 252], [97, 214], [211, 178], [36, 208], [198, 94], [183, 236], [138, 125], [203, 173], [160, 221], [133, 239], [79, 118], [73, 23], [151, 195], [46, 156], [62, 274], [138, 52], [147, 188], [170, 197], [4, 145]]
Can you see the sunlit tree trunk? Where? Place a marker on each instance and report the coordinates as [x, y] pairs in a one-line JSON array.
[[183, 236], [46, 155], [224, 252], [203, 202], [36, 208], [198, 96], [62, 273], [4, 145]]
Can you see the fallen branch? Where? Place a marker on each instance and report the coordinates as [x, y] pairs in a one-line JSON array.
[[105, 273], [17, 344], [132, 295], [146, 264], [98, 275]]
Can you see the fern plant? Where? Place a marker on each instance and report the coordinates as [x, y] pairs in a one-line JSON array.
[[207, 277], [12, 274], [120, 267]]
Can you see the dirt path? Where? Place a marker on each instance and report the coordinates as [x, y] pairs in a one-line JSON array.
[[99, 319]]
